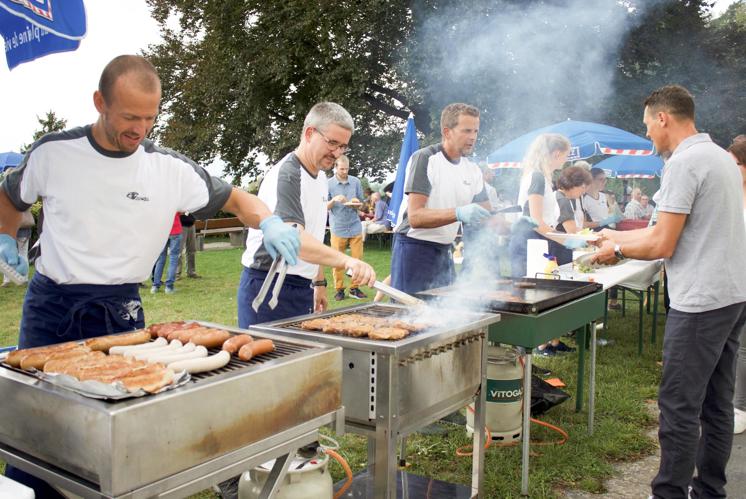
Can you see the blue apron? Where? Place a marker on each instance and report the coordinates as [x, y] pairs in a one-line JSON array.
[[417, 265], [54, 313], [295, 298]]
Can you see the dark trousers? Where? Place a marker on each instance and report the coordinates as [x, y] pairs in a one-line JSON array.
[[696, 401], [418, 265], [296, 298]]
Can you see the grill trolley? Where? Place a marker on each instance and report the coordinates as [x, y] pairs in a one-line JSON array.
[[181, 441], [392, 388]]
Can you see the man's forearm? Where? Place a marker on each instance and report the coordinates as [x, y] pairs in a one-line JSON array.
[[247, 207], [428, 218], [628, 236], [312, 251], [10, 217]]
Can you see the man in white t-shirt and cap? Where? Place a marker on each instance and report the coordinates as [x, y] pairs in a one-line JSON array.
[[442, 188], [297, 190], [110, 196], [707, 285]]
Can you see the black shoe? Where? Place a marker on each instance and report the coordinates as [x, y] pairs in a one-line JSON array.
[[547, 351], [194, 276], [357, 294], [563, 348], [615, 306], [340, 295]]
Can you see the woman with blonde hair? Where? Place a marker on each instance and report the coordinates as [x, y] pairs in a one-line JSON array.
[[547, 153]]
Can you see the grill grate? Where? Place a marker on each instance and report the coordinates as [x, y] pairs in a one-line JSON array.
[[282, 349]]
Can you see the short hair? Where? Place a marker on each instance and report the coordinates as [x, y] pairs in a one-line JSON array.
[[146, 74], [324, 114], [344, 159], [738, 149], [673, 99], [636, 189], [597, 172], [574, 176], [449, 116]]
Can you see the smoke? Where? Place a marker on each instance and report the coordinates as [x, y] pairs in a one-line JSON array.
[[526, 64]]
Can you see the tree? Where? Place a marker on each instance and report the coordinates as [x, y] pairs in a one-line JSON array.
[[49, 123]]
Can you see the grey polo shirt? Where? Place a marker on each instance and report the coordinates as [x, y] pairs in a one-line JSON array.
[[706, 271], [343, 220]]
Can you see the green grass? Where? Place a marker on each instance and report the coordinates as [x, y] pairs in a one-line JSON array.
[[624, 382]]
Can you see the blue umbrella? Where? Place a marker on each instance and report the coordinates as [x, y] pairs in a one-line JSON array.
[[9, 159], [33, 29], [632, 166], [587, 139], [408, 147]]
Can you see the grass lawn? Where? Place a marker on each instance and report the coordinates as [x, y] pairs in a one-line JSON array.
[[624, 382]]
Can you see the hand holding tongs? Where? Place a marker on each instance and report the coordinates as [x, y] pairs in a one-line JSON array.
[[280, 268]]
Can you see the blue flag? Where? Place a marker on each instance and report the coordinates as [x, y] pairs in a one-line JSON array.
[[408, 147], [34, 29]]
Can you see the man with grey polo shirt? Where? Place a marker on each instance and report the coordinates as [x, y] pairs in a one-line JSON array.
[[345, 192], [707, 284]]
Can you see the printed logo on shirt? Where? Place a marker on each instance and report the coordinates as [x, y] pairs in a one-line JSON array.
[[135, 196], [466, 182]]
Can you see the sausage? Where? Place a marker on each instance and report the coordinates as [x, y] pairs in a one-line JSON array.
[[183, 335], [211, 338], [234, 343], [189, 351], [256, 347], [38, 359], [210, 363], [157, 343], [174, 345], [104, 343], [14, 358]]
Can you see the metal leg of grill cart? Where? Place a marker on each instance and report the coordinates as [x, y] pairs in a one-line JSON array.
[[526, 431], [387, 426], [592, 380], [276, 476], [480, 403]]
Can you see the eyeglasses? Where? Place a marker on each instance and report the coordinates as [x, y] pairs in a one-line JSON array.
[[333, 145]]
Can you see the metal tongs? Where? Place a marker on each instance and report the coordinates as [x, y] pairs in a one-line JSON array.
[[279, 267], [400, 296]]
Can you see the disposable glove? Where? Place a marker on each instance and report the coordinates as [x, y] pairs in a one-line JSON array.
[[471, 214], [611, 219], [9, 254], [573, 243], [281, 238]]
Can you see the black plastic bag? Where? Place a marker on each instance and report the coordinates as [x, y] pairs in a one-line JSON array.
[[544, 396]]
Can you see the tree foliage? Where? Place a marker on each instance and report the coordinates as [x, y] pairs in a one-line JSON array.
[[49, 123], [240, 75]]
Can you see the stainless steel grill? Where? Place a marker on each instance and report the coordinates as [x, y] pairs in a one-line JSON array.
[[392, 388], [177, 442]]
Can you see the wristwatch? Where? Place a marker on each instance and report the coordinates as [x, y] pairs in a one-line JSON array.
[[316, 284], [618, 252]]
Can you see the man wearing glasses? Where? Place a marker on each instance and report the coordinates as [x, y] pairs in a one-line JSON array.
[[345, 193], [296, 190], [442, 188]]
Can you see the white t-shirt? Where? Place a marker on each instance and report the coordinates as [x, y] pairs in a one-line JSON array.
[[598, 209], [107, 215], [446, 185], [296, 196], [536, 183]]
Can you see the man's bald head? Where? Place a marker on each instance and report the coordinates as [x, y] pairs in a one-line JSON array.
[[143, 74]]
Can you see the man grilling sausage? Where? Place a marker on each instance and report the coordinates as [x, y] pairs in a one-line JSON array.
[[442, 188], [109, 195], [296, 189]]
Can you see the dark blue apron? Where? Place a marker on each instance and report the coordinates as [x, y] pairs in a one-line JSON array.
[[417, 265], [54, 313]]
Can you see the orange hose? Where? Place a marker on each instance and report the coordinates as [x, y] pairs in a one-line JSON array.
[[342, 462], [462, 452]]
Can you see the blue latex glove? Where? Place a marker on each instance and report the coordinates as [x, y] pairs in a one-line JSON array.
[[574, 244], [612, 219], [281, 238], [9, 254], [471, 214]]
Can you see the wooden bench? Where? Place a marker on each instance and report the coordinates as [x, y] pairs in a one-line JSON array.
[[231, 226], [384, 238]]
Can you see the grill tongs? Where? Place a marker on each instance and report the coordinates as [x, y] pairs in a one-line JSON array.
[[280, 268]]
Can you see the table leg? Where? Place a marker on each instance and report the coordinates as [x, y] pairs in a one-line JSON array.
[[526, 430], [624, 302], [606, 308], [592, 380], [581, 335], [639, 324], [656, 290]]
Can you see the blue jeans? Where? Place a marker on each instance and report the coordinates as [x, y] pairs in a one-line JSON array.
[[172, 248]]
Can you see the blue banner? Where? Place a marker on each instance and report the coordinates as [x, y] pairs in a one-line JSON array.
[[408, 147]]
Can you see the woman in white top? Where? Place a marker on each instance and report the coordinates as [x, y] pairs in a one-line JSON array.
[[738, 151], [597, 204], [547, 153]]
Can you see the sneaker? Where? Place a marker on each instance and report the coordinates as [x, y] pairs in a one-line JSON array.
[[615, 306], [170, 291], [153, 290], [564, 348], [547, 351], [602, 342], [739, 420], [340, 295], [194, 276], [357, 294]]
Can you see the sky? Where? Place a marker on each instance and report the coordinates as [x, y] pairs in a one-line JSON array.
[[65, 82]]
